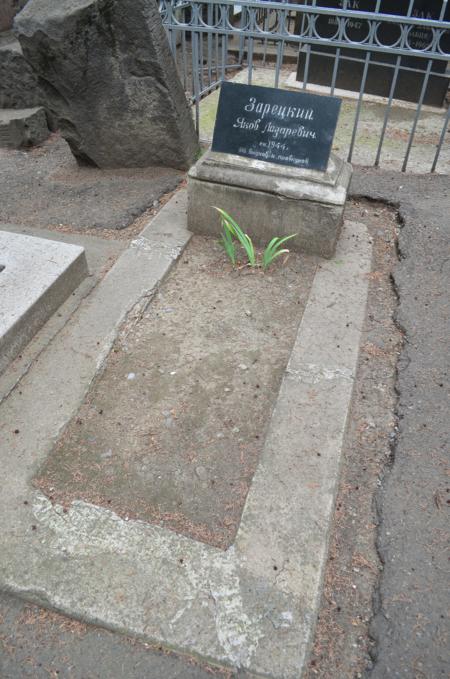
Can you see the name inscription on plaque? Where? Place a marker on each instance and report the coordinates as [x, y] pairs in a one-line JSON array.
[[265, 123]]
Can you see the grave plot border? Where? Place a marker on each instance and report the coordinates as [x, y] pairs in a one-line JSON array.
[[252, 606]]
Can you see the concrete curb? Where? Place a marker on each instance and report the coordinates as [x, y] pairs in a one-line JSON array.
[[253, 606]]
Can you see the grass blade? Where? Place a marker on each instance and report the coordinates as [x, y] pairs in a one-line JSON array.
[[273, 249]]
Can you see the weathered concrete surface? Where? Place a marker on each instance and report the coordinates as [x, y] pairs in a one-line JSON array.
[[115, 107], [268, 200], [36, 644], [18, 83], [252, 606], [100, 255], [37, 277], [411, 627], [20, 128], [46, 187], [165, 416]]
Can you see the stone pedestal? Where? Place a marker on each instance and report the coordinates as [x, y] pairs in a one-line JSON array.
[[270, 200], [110, 80]]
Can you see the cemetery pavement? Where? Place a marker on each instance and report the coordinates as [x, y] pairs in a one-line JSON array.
[[410, 626], [384, 613]]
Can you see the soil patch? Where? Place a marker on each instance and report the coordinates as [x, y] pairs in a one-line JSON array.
[[342, 643], [46, 188], [172, 430]]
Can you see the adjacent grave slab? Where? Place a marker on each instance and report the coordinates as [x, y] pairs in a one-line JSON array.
[[270, 200], [36, 276], [23, 127], [115, 106]]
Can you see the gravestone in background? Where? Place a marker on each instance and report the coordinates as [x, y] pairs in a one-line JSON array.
[[110, 80], [272, 169], [8, 10], [379, 77]]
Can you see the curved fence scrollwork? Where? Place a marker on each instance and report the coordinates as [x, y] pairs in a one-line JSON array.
[[210, 39]]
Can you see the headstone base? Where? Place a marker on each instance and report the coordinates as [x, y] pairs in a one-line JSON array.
[[270, 200]]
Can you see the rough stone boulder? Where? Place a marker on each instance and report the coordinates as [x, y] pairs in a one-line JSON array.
[[18, 83], [20, 128], [8, 10], [110, 81]]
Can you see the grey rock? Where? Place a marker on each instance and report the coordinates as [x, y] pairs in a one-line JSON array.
[[18, 84], [23, 127], [8, 10], [110, 80]]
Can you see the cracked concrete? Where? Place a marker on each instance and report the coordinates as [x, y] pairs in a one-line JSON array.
[[411, 626]]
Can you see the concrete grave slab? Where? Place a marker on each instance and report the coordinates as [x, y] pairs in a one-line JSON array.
[[36, 276], [252, 606], [101, 253]]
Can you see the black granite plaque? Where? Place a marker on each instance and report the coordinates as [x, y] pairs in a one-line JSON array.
[[264, 123], [379, 77]]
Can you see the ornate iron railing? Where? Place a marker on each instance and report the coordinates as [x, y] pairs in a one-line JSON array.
[[205, 34]]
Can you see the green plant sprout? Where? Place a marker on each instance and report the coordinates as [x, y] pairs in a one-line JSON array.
[[232, 230]]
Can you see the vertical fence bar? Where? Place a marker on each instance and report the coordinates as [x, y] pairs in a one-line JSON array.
[[338, 54], [388, 110], [392, 91], [308, 48], [195, 79], [184, 58], [416, 117], [223, 10], [209, 43], [252, 20], [216, 41], [441, 141], [358, 107], [422, 96]]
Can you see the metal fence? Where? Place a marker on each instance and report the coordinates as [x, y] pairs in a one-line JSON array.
[[212, 38]]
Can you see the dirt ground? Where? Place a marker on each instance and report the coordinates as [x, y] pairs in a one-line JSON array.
[[44, 187], [172, 430], [342, 648]]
